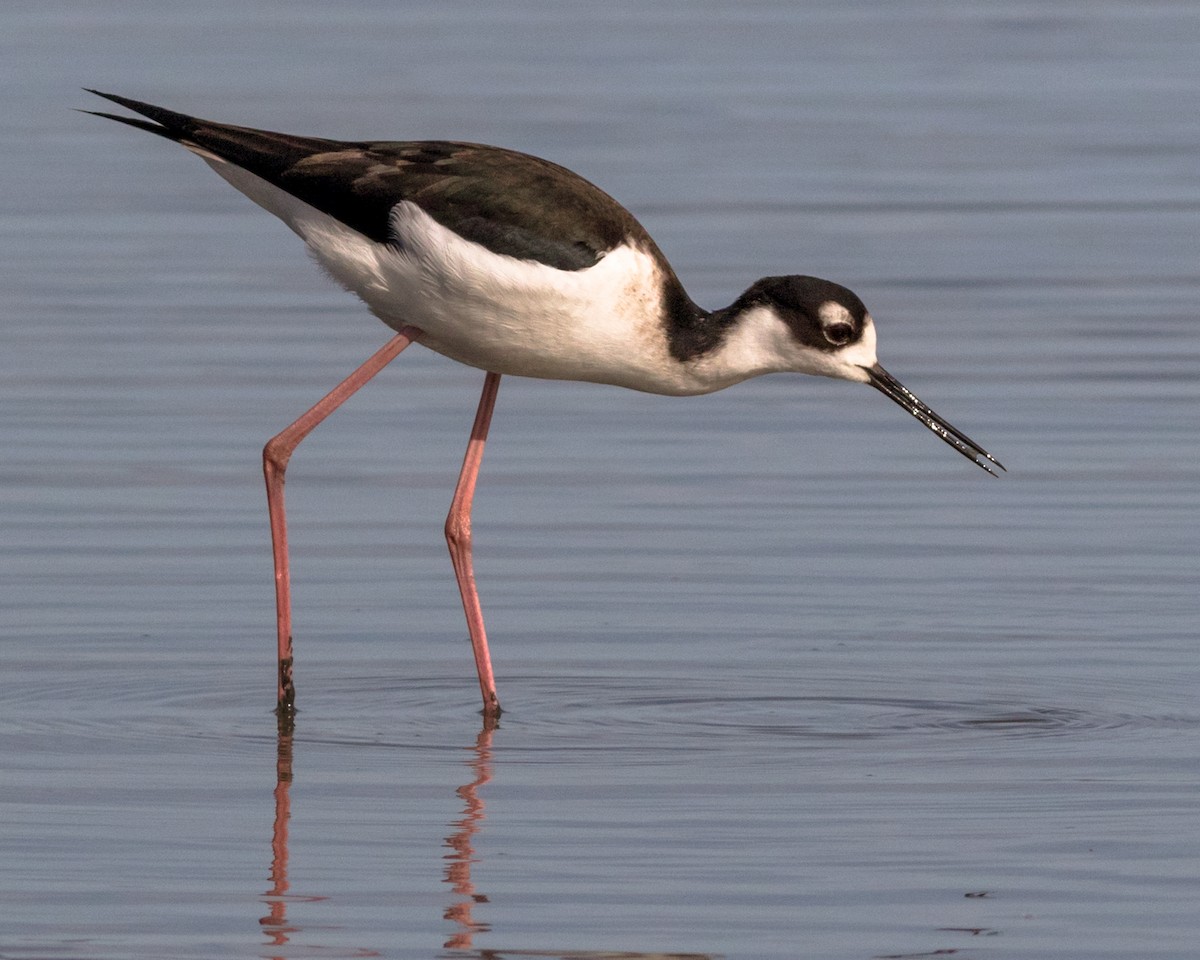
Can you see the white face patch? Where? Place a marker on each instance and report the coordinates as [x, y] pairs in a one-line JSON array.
[[860, 354], [831, 312], [763, 343]]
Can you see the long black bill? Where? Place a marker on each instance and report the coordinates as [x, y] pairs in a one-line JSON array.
[[890, 387]]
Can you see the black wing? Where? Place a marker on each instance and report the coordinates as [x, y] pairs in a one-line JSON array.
[[509, 202]]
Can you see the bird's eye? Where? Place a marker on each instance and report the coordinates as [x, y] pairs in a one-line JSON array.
[[839, 333]]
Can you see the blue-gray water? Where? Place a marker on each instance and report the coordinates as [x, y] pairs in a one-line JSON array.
[[784, 676]]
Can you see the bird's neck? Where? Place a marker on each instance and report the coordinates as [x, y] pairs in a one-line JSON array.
[[744, 340]]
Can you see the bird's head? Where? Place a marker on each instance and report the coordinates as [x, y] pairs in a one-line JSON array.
[[819, 327], [813, 326]]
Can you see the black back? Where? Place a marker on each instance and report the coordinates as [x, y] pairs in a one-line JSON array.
[[509, 202]]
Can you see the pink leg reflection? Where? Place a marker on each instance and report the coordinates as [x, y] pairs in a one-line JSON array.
[[458, 867], [275, 923]]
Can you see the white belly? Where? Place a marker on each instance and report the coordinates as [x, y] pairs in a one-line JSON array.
[[498, 313]]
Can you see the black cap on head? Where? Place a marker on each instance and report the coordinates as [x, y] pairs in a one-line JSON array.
[[821, 314]]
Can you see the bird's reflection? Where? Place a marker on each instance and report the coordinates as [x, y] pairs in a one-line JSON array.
[[275, 924], [458, 862], [462, 855], [579, 955], [456, 874]]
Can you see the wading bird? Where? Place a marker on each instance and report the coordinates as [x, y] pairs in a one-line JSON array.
[[514, 265]]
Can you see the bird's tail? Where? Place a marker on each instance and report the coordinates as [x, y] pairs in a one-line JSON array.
[[164, 122]]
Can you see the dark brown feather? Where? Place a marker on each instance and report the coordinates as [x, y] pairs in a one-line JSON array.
[[510, 202]]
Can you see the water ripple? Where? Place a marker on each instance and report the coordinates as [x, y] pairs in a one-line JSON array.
[[583, 714], [550, 712]]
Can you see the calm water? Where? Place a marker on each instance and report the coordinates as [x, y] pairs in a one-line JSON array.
[[785, 677]]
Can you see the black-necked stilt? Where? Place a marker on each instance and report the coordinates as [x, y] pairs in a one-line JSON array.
[[514, 265]]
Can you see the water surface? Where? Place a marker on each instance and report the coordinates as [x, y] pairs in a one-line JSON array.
[[783, 676]]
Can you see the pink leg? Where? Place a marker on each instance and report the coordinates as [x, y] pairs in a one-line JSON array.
[[276, 454], [458, 538]]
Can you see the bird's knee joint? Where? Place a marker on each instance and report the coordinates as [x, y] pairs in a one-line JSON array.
[[275, 460], [458, 533]]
